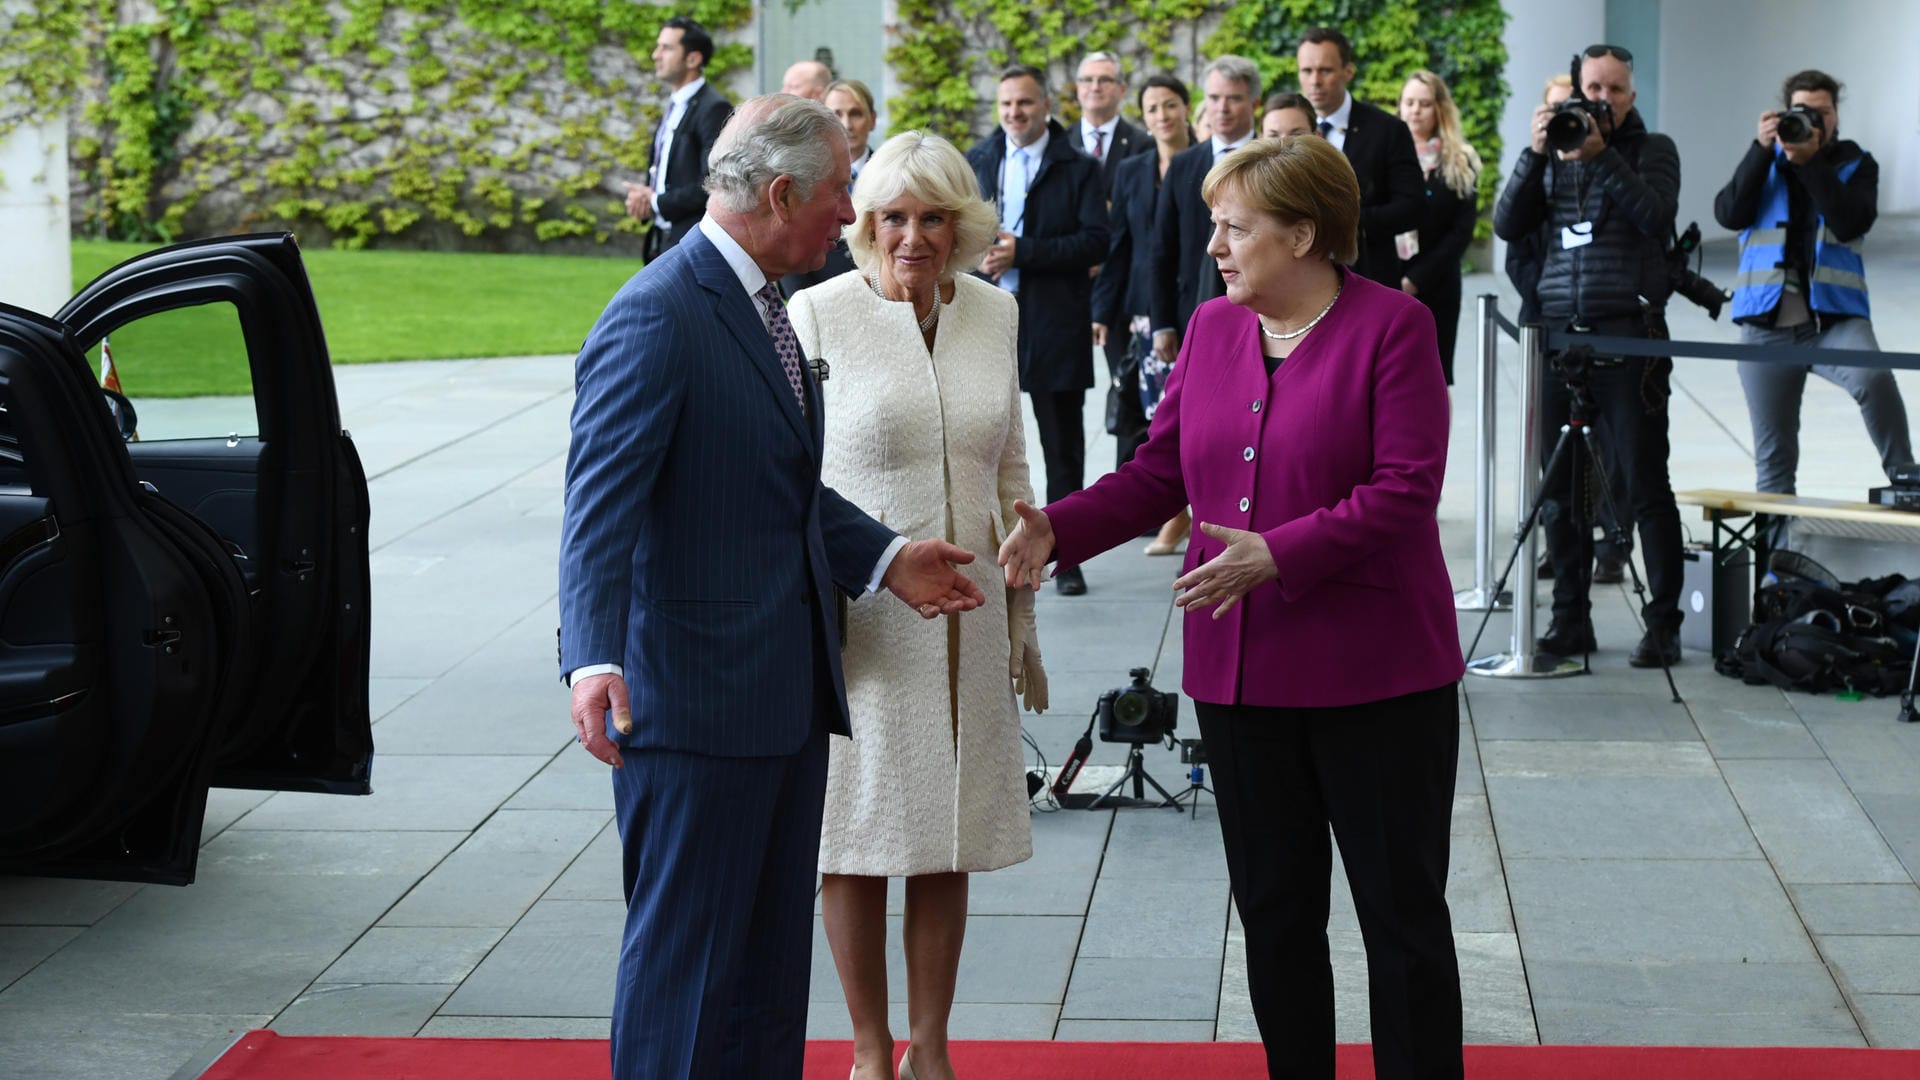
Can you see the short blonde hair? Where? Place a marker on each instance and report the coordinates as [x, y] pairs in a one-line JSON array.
[[927, 167], [1296, 178], [1564, 78], [859, 91]]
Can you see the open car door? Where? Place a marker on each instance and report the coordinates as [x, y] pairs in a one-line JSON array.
[[233, 565]]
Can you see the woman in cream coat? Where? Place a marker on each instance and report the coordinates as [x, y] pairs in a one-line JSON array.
[[923, 429]]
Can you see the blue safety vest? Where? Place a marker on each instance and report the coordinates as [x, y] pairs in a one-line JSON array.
[[1839, 278]]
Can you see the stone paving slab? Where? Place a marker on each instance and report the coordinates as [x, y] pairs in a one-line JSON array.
[[70, 1044], [1135, 989], [1810, 824], [1672, 911], [499, 871], [379, 1009], [413, 954], [1858, 909], [1890, 1019], [429, 792], [1874, 963], [1689, 1004], [558, 960]]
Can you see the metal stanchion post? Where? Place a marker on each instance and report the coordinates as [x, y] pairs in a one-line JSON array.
[[1521, 661], [1480, 597]]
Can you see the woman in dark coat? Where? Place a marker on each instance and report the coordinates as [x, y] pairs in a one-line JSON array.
[[1430, 258], [1121, 293]]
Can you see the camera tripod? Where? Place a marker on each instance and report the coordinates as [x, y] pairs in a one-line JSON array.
[[1573, 371], [1137, 772]]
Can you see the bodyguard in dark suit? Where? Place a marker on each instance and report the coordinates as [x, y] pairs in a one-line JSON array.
[[699, 559], [673, 196], [1182, 224], [1392, 188], [1102, 134], [1053, 230]]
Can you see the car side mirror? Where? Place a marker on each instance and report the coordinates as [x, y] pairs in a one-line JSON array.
[[125, 416]]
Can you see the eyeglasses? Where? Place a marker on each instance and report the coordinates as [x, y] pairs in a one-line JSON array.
[[1595, 52], [1097, 80]]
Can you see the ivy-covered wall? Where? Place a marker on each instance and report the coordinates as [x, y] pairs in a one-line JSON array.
[[949, 50], [473, 123]]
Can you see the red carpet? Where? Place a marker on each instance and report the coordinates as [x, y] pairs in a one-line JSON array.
[[263, 1055]]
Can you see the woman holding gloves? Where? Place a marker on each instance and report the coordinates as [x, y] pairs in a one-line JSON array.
[[923, 428]]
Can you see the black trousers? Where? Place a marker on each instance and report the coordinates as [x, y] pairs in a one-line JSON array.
[[1629, 417], [1132, 430], [1382, 775], [1063, 439]]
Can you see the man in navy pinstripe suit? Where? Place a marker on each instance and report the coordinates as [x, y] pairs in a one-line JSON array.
[[698, 557]]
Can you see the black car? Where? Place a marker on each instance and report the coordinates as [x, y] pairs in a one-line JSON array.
[[175, 614]]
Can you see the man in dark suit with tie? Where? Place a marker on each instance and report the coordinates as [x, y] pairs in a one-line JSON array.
[[1102, 134], [673, 196], [1393, 190], [1053, 231], [1184, 274], [699, 560]]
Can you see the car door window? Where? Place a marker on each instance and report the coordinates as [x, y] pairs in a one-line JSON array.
[[184, 372]]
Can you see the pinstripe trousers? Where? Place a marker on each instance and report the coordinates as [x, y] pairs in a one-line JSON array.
[[719, 875]]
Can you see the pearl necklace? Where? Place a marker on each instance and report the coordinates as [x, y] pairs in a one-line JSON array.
[[933, 313], [1291, 334]]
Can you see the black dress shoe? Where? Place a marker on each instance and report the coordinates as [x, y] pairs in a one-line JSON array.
[[1609, 570], [1070, 583], [1544, 571], [1657, 648], [1567, 637]]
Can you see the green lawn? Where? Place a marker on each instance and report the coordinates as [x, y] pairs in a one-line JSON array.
[[375, 305]]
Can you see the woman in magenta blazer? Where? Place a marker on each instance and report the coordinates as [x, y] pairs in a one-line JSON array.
[[1306, 423]]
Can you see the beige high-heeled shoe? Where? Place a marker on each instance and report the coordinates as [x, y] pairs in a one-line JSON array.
[[906, 1066], [1171, 534]]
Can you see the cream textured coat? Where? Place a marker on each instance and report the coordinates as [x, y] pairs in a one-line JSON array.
[[934, 447]]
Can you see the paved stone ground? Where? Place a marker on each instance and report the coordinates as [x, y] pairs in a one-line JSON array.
[[1737, 869]]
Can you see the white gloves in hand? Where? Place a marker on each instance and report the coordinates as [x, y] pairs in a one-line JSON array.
[[1023, 662]]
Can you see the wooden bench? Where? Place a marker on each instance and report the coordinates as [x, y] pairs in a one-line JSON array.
[[1829, 517]]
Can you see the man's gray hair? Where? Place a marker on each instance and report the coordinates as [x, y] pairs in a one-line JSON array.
[[1237, 68], [770, 136], [1104, 57]]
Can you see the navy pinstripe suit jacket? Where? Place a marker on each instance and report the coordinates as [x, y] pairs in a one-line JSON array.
[[699, 548]]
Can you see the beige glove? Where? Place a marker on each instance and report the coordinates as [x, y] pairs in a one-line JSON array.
[[1023, 662]]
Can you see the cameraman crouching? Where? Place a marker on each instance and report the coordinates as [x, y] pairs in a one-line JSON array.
[[1607, 198], [1801, 198]]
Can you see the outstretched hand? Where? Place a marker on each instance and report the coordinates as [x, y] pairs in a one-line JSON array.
[[922, 575], [1230, 575], [1028, 547], [593, 698]]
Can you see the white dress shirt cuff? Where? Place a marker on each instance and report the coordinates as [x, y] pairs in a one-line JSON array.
[[886, 560], [579, 673]]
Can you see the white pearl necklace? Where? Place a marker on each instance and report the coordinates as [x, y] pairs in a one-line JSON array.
[[933, 314], [1291, 334]]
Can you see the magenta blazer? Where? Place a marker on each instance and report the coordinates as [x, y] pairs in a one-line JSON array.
[[1337, 460]]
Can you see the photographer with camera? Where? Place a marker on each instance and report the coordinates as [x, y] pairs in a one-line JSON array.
[[1606, 194], [1801, 199]]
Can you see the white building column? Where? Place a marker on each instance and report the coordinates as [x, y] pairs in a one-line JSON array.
[[36, 272]]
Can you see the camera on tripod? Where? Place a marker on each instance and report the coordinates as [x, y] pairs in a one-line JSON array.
[[1688, 283], [1137, 713], [1576, 117]]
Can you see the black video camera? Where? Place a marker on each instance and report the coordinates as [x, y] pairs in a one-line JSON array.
[[1798, 124], [1137, 713], [1575, 117], [1686, 281]]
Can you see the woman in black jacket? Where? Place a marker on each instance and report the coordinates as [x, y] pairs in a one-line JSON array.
[[1122, 292], [1430, 258]]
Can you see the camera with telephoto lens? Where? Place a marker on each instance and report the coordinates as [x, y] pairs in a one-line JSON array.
[[1137, 713], [1575, 117], [1688, 283], [1798, 124]]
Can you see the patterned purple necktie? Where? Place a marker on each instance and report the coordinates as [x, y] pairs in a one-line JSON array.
[[785, 344]]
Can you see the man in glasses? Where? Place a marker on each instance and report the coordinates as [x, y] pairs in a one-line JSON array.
[[1607, 206], [1101, 134], [1802, 199]]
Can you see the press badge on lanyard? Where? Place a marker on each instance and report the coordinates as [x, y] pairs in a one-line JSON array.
[[1578, 234]]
